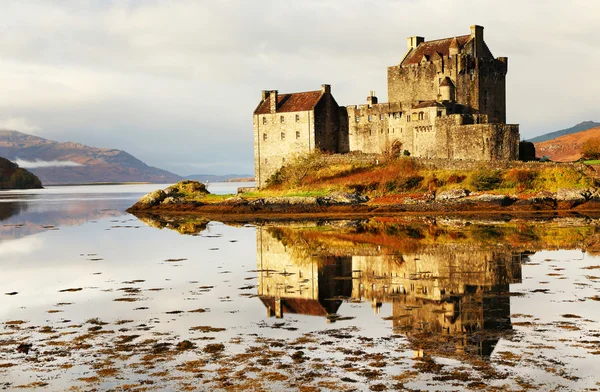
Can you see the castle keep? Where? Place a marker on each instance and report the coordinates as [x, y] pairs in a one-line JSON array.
[[447, 99]]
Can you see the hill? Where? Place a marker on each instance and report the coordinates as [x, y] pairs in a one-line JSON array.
[[73, 163], [220, 178], [14, 177], [584, 126], [566, 148]]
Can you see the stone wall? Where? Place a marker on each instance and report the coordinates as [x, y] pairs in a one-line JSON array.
[[483, 141], [276, 141]]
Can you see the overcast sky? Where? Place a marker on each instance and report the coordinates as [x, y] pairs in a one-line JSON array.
[[175, 82]]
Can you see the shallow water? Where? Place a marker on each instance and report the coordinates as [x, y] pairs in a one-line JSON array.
[[108, 301]]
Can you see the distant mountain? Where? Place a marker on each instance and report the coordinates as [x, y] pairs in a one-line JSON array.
[[74, 163], [577, 128], [223, 178], [566, 148]]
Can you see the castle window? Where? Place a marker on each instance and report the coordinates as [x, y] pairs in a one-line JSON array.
[[370, 132], [370, 118], [297, 134], [381, 116], [421, 116], [396, 115], [408, 118], [439, 113], [297, 117], [281, 118], [283, 160], [264, 120], [266, 161], [282, 135], [357, 118], [264, 136]]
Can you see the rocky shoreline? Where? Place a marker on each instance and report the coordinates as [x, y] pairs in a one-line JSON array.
[[188, 197]]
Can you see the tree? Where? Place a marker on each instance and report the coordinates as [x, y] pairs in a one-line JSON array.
[[591, 149]]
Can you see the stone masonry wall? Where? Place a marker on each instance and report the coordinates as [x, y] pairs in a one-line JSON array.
[[276, 141]]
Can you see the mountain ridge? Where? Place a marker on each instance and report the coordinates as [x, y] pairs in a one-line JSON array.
[[582, 126], [78, 163], [566, 148]]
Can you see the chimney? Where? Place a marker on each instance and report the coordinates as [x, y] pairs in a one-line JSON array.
[[477, 36], [326, 89], [273, 95], [372, 99], [264, 95], [413, 42]]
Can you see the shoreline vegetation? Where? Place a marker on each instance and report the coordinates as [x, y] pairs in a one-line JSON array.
[[331, 185]]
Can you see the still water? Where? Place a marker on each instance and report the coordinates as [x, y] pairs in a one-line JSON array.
[[92, 298]]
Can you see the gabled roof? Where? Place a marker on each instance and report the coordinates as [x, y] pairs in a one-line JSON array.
[[295, 102], [439, 46], [447, 82]]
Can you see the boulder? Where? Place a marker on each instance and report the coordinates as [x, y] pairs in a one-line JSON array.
[[576, 195], [342, 199], [502, 200], [452, 194], [150, 200]]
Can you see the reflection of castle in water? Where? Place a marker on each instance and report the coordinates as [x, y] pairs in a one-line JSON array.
[[450, 297]]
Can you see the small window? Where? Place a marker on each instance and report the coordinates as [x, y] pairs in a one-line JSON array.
[[408, 118], [370, 118], [439, 113], [281, 118], [283, 160], [357, 118], [396, 115], [282, 135], [266, 161], [297, 134], [297, 118], [421, 115], [381, 116], [370, 132], [264, 136], [264, 120]]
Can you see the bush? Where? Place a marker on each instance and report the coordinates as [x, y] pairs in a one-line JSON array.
[[591, 149], [403, 184], [485, 180], [406, 153], [520, 178]]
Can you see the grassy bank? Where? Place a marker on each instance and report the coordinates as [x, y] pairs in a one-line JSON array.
[[315, 175]]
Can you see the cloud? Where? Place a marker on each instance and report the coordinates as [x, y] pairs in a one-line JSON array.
[[20, 124], [41, 164], [164, 79]]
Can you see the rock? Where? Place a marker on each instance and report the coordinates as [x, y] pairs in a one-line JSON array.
[[292, 200], [236, 201], [172, 200], [452, 194], [150, 200], [188, 187], [577, 195], [502, 200], [342, 199]]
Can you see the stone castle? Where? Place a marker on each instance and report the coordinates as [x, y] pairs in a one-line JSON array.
[[447, 99]]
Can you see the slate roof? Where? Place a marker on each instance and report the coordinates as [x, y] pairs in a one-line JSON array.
[[439, 46], [295, 102]]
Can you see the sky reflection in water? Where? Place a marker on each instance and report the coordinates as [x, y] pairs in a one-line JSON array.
[[361, 304]]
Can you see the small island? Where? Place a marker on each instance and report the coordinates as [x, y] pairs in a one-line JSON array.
[[14, 177], [333, 185]]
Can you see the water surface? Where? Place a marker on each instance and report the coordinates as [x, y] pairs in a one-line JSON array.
[[108, 301]]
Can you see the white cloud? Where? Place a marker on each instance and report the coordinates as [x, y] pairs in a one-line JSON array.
[[41, 164], [20, 124], [21, 246], [156, 77]]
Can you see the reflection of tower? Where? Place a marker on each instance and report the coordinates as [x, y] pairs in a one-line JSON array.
[[293, 282]]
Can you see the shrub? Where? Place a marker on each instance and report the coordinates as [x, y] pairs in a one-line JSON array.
[[455, 178], [591, 149], [406, 153], [485, 180], [519, 178]]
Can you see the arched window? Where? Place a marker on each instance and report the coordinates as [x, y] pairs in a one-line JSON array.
[[421, 115]]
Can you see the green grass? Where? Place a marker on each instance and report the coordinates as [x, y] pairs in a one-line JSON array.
[[592, 162]]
